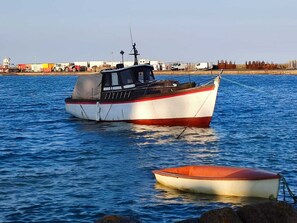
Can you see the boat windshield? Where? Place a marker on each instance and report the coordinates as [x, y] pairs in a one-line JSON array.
[[126, 77], [136, 75]]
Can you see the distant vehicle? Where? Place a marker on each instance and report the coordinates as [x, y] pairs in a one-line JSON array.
[[72, 67], [179, 66], [204, 66], [59, 67], [144, 61]]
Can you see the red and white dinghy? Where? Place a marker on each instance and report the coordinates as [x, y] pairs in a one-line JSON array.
[[131, 94], [219, 180]]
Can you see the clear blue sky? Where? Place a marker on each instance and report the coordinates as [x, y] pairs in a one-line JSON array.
[[189, 31]]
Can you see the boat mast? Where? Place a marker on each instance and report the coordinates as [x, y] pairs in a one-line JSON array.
[[135, 53]]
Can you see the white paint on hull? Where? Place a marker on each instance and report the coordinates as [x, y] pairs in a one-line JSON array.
[[192, 105], [266, 188]]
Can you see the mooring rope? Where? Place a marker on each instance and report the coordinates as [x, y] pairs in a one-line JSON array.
[[286, 186], [83, 112], [107, 113], [271, 95], [243, 85], [208, 82], [185, 128]]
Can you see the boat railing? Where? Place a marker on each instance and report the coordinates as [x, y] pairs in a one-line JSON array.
[[116, 95], [208, 81], [126, 93], [142, 90]]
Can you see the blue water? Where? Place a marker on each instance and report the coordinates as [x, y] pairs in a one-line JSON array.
[[54, 167]]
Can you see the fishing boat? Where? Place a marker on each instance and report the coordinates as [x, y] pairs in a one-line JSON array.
[[219, 180], [132, 94]]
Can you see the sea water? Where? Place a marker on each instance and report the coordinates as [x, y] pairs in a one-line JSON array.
[[57, 168]]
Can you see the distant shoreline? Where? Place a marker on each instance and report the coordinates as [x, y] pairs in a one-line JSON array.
[[166, 72], [230, 72]]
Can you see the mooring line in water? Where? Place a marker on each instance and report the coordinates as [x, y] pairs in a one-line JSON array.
[[182, 132], [243, 85], [178, 137], [286, 186]]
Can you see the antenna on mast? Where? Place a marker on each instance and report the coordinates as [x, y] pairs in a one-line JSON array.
[[135, 51], [131, 35]]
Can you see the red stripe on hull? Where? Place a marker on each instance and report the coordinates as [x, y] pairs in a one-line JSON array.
[[191, 122]]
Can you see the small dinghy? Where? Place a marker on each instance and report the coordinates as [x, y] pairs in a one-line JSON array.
[[219, 180]]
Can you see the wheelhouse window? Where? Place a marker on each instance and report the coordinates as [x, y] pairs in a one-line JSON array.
[[141, 77], [111, 81], [106, 80], [144, 75], [114, 79], [149, 76], [126, 77]]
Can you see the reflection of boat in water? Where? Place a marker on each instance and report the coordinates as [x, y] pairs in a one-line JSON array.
[[220, 180], [153, 134], [131, 94], [169, 195], [164, 134]]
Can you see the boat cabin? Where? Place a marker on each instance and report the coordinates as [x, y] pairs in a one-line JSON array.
[[124, 84], [128, 83], [125, 78]]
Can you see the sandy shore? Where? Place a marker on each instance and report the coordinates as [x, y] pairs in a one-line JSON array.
[[230, 72], [168, 72]]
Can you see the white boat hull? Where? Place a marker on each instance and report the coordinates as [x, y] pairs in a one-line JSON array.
[[214, 180], [193, 108], [246, 188]]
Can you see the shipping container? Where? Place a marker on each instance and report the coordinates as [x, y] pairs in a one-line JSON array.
[[47, 70], [47, 65], [36, 67], [22, 67]]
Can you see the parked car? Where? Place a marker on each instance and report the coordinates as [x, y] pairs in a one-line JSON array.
[[179, 66], [58, 67], [72, 67]]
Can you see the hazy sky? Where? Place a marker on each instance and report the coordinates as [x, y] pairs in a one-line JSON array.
[[189, 31]]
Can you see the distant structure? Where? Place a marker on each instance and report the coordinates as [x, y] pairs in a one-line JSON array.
[[292, 64], [7, 67], [226, 65], [6, 62], [258, 65]]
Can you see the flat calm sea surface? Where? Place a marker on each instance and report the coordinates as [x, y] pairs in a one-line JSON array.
[[56, 168]]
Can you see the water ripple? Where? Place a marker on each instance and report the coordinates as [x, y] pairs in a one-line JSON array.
[[56, 168]]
